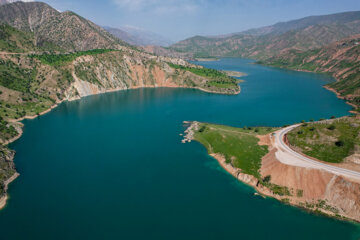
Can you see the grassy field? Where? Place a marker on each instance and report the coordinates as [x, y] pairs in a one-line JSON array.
[[217, 78], [329, 141], [238, 145]]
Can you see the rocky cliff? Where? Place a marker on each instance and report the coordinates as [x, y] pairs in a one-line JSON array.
[[7, 172]]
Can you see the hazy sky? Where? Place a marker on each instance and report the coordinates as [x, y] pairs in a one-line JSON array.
[[180, 19]]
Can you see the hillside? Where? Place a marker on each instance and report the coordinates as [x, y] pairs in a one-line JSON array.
[[67, 30], [334, 141], [303, 34], [340, 59]]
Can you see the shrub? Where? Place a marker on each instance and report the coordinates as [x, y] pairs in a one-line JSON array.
[[299, 193], [202, 129], [331, 127], [339, 143]]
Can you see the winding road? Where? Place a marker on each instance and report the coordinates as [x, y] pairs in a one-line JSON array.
[[288, 156]]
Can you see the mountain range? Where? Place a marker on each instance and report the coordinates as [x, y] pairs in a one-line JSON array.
[[303, 34], [326, 44]]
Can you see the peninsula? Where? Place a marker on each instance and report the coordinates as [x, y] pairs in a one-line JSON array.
[[273, 161]]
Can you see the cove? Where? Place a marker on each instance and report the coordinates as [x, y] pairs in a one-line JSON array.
[[112, 166]]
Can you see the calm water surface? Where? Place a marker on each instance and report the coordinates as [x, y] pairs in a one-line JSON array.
[[113, 166]]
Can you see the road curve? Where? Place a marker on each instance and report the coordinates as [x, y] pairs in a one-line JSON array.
[[288, 156]]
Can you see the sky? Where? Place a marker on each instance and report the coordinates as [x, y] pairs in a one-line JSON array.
[[181, 19]]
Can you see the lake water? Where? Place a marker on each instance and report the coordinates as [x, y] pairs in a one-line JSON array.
[[113, 166]]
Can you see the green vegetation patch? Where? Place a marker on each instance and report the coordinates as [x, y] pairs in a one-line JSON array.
[[60, 59], [13, 40], [14, 77], [329, 141], [217, 78], [7, 131], [239, 146]]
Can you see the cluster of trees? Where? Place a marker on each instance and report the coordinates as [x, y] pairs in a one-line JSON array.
[[59, 59], [13, 77]]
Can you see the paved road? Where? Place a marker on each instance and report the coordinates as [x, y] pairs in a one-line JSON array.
[[288, 156]]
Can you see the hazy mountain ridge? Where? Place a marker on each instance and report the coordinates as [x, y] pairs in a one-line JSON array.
[[138, 37], [282, 27]]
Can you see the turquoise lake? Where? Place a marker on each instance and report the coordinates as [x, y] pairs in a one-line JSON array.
[[112, 166]]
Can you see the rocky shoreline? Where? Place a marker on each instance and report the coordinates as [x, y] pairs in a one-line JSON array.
[[338, 95], [4, 198]]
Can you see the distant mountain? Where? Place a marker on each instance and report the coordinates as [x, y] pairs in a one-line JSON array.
[[67, 30], [12, 1], [167, 52], [139, 37], [283, 27], [304, 34], [341, 59]]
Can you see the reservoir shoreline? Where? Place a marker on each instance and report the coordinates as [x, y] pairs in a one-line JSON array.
[[19, 125]]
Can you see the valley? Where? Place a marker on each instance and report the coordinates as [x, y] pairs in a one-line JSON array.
[[92, 121]]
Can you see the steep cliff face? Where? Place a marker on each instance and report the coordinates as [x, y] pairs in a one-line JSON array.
[[7, 168]]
